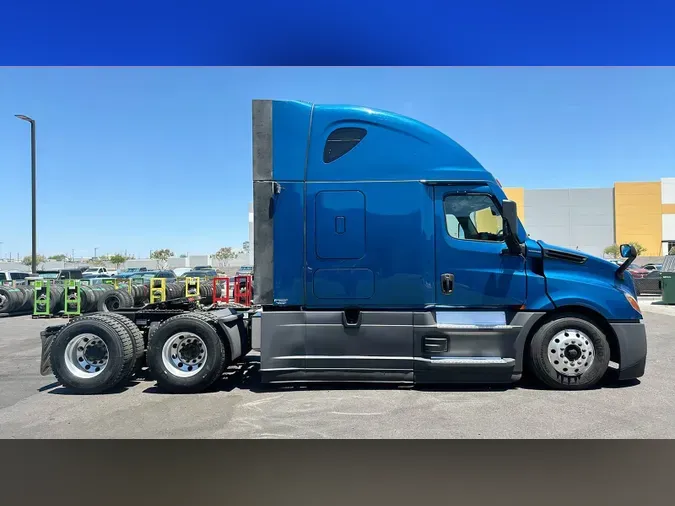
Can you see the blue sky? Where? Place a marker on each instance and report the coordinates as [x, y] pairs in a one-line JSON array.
[[117, 145]]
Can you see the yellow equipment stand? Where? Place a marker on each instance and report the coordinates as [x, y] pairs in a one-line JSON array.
[[191, 287], [157, 290]]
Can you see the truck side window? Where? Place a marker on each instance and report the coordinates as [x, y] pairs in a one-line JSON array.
[[341, 141], [473, 217]]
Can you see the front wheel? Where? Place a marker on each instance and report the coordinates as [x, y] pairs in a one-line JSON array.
[[569, 353]]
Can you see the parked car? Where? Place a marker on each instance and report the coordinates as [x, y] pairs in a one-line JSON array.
[[650, 284], [60, 274], [96, 279], [245, 270], [131, 272], [18, 276], [653, 267], [180, 271], [201, 273], [638, 272], [170, 276], [202, 267], [95, 270]]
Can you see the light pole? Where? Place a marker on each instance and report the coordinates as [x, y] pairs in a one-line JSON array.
[[32, 159]]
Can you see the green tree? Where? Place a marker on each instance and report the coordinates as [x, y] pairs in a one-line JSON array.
[[612, 250], [161, 255], [183, 255], [39, 259], [59, 258], [118, 259], [672, 251], [223, 255]]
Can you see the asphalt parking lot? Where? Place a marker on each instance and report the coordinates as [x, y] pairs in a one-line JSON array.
[[33, 406]]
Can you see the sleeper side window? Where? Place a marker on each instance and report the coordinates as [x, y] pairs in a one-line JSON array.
[[341, 141], [473, 217]]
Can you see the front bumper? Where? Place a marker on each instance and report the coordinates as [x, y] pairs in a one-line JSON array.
[[632, 339]]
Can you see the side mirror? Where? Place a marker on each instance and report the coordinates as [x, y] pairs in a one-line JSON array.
[[628, 251], [510, 212]]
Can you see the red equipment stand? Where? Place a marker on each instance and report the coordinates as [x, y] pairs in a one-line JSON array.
[[243, 290], [225, 299]]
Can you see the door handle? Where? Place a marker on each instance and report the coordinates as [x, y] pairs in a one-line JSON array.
[[447, 282]]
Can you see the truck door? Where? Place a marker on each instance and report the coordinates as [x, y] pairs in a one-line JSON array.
[[470, 334], [474, 269]]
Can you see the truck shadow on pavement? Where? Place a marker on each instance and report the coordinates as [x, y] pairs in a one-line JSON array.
[[56, 389], [245, 377]]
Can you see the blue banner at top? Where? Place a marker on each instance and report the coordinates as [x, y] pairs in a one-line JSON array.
[[348, 32]]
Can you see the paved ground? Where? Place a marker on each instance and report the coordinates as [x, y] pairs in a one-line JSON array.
[[32, 406]]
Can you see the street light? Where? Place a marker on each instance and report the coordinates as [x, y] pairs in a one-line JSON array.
[[32, 152]]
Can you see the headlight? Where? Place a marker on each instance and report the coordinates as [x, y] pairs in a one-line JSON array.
[[633, 302]]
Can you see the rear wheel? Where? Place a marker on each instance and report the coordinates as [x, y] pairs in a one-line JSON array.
[[569, 353], [136, 339], [92, 354], [186, 353]]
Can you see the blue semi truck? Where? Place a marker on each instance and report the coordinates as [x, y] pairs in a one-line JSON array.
[[384, 252]]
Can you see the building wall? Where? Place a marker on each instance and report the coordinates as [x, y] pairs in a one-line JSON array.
[[580, 219], [667, 213], [638, 211]]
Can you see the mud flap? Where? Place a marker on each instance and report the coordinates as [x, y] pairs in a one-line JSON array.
[[45, 362]]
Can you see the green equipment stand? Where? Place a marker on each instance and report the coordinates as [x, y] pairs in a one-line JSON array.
[[72, 299], [41, 295]]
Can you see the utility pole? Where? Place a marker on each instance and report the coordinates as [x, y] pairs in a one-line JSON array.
[[33, 163]]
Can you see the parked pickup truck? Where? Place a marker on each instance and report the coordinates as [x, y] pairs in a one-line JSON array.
[[384, 252]]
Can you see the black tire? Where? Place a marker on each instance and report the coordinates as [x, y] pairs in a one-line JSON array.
[[216, 359], [539, 351], [114, 300], [27, 304], [137, 341], [11, 299], [120, 348], [56, 298], [87, 299]]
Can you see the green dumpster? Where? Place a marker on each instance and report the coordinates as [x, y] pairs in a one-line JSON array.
[[668, 287]]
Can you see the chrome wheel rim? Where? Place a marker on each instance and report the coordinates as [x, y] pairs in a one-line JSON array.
[[184, 354], [571, 352], [86, 356]]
